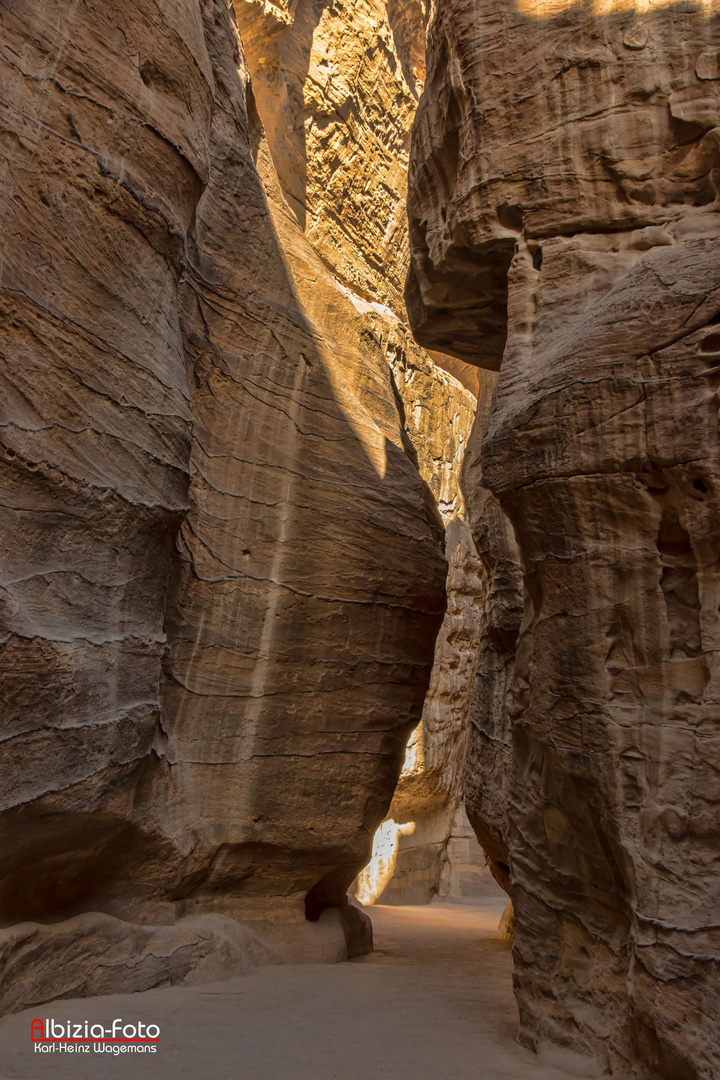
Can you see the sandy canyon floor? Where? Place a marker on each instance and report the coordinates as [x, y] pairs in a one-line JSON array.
[[433, 1002]]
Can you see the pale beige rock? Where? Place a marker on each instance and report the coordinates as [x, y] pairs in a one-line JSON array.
[[308, 670], [94, 954], [430, 784], [465, 873], [467, 374], [438, 415], [439, 970], [564, 220], [105, 136]]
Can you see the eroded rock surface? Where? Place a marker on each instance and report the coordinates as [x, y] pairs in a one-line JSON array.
[[487, 775], [564, 223], [337, 87], [430, 785], [223, 570]]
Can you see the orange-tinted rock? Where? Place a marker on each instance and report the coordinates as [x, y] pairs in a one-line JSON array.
[[336, 87]]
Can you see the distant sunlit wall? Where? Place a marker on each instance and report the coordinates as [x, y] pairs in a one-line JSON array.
[[378, 872]]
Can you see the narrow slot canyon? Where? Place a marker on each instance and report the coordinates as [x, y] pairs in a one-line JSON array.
[[361, 539]]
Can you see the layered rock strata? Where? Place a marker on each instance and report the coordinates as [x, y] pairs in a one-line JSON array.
[[223, 573], [337, 86], [565, 229]]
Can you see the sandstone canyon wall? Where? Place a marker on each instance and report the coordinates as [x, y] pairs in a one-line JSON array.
[[430, 784], [487, 770], [223, 568], [565, 230], [337, 86]]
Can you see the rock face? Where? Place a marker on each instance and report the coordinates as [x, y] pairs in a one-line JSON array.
[[223, 571], [337, 87], [49, 962], [430, 784], [564, 224], [486, 780]]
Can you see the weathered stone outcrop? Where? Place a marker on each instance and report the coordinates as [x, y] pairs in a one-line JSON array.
[[223, 573], [564, 223], [96, 954], [337, 86], [298, 552]]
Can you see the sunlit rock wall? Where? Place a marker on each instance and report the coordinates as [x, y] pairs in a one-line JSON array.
[[564, 228], [337, 86], [438, 418], [223, 571]]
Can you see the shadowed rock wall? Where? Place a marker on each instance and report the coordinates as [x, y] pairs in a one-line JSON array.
[[223, 572], [337, 86], [487, 773], [564, 224], [438, 417]]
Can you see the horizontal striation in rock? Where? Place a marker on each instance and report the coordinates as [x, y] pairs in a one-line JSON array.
[[223, 573]]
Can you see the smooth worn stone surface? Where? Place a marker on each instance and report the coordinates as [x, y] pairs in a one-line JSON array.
[[433, 1002], [565, 229], [223, 570], [488, 762], [94, 953], [429, 789]]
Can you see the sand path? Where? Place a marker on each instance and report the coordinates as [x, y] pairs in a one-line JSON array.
[[434, 1002]]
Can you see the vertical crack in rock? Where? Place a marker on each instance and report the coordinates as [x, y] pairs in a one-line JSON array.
[[438, 418]]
